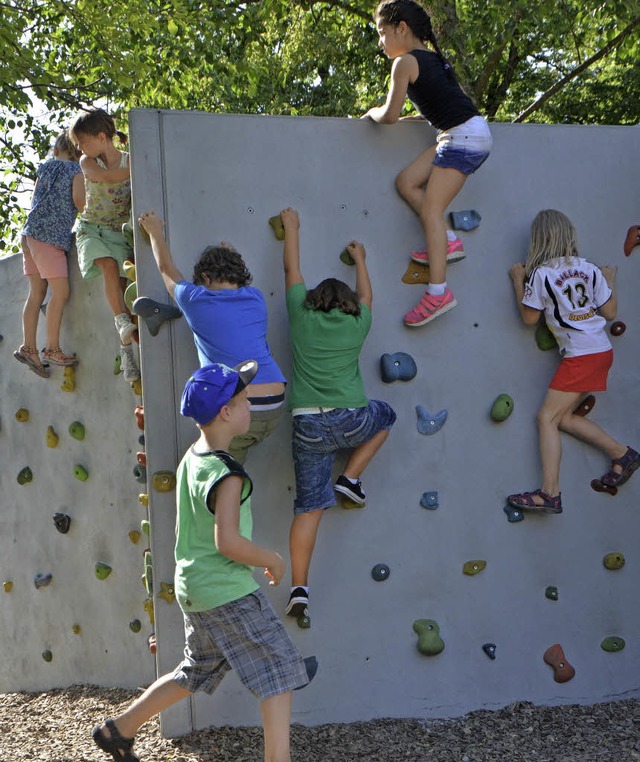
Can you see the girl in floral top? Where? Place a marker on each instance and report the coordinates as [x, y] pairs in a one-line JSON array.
[[102, 248]]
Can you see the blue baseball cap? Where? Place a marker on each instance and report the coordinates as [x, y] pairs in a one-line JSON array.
[[210, 388]]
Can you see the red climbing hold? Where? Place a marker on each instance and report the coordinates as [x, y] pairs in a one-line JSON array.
[[632, 240], [139, 413]]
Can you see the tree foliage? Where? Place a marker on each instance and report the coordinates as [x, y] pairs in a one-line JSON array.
[[299, 57]]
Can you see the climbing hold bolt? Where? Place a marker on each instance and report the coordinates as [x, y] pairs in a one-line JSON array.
[[555, 658], [612, 644], [429, 500], [51, 437], [380, 572], [277, 226], [429, 641], [428, 423], [501, 408], [42, 580], [617, 328], [164, 481], [490, 650], [473, 567], [76, 429], [613, 561], [551, 593], [25, 476], [62, 522], [22, 416], [399, 366], [102, 570], [80, 472], [513, 514], [135, 625]]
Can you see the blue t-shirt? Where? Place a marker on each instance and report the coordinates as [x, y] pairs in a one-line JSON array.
[[229, 326], [53, 212]]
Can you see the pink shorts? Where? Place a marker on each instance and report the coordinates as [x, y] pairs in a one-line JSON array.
[[586, 373], [43, 259]]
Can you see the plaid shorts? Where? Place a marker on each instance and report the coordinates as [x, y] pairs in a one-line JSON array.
[[245, 635]]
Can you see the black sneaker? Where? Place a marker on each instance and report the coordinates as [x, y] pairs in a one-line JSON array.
[[298, 603], [352, 491]]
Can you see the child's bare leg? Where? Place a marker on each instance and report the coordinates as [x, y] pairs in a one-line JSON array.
[[31, 310], [411, 181], [361, 456], [276, 724], [113, 284], [443, 186], [588, 431], [555, 406], [55, 306], [302, 541], [162, 694]]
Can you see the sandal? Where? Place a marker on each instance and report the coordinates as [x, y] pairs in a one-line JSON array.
[[58, 357], [525, 501], [120, 748], [25, 355], [629, 462]]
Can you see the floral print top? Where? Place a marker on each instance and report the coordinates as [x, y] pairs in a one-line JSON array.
[[108, 204]]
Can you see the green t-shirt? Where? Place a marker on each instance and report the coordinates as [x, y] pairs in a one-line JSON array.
[[325, 347], [204, 578]]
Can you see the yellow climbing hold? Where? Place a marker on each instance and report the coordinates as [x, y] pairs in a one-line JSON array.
[[51, 437], [129, 269], [143, 499], [130, 294], [473, 567], [69, 381], [7, 586], [76, 629], [134, 536], [137, 387], [164, 481], [148, 607], [168, 592], [22, 416]]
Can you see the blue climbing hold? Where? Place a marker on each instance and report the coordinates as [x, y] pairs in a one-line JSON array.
[[429, 500], [380, 572], [397, 367], [468, 219], [490, 650], [513, 514], [42, 580], [429, 423]]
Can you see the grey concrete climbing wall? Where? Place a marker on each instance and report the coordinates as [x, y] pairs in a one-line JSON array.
[[102, 649], [219, 178]]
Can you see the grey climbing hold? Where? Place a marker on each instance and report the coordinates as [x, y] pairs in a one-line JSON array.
[[429, 423], [380, 572], [490, 650], [513, 514], [42, 580], [154, 313], [399, 366], [62, 522], [468, 219], [429, 500]]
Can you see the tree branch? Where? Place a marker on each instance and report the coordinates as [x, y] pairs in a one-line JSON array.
[[612, 45]]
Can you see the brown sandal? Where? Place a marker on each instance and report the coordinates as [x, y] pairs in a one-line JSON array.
[[26, 355], [58, 357]]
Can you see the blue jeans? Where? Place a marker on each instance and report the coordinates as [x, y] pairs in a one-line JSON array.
[[317, 438]]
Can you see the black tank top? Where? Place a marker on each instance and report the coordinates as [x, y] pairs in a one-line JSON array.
[[437, 95]]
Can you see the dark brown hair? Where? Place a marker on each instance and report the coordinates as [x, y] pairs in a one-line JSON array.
[[222, 264], [331, 294], [93, 123]]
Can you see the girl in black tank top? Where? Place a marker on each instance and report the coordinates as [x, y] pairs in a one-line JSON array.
[[431, 182]]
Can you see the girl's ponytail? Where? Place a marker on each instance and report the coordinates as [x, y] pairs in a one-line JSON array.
[[121, 137], [93, 123]]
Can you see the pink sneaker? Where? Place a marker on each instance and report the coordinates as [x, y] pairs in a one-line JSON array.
[[430, 307], [455, 252]]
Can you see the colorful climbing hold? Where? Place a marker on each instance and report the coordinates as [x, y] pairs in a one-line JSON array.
[[139, 413], [350, 505], [135, 625], [51, 437], [69, 379], [612, 644], [141, 440], [513, 514], [399, 366], [102, 570], [25, 476], [380, 572], [416, 272], [544, 338], [473, 567], [277, 226], [429, 500], [586, 406], [346, 258], [141, 457], [129, 269], [76, 629], [501, 408], [42, 580], [140, 473], [117, 366], [137, 387], [80, 472], [47, 655], [145, 526], [551, 592], [152, 643], [613, 561], [555, 658], [77, 431], [303, 622], [131, 294], [62, 522], [147, 577], [155, 313], [430, 424], [22, 416], [490, 650], [631, 240], [149, 610], [7, 586], [167, 592], [164, 481], [143, 499], [467, 219], [134, 536], [617, 328], [429, 641]]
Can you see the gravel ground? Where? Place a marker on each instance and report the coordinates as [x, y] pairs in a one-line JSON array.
[[55, 726]]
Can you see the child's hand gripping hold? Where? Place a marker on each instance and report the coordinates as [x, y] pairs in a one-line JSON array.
[[275, 571]]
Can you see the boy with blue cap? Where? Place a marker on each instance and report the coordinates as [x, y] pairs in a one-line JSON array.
[[229, 623]]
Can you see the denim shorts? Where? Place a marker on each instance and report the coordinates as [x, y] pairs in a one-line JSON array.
[[317, 438], [464, 147], [245, 635]]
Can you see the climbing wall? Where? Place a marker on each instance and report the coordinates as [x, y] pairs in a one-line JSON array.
[[217, 177], [71, 601]]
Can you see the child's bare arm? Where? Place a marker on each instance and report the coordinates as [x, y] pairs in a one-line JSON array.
[[93, 171], [403, 70], [154, 226], [291, 253], [77, 191], [610, 308], [529, 315], [229, 541], [363, 284]]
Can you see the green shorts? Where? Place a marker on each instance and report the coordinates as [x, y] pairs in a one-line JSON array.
[[263, 423], [97, 241]]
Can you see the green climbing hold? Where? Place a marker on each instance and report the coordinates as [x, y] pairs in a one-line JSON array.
[[429, 641], [47, 655], [117, 366], [102, 570], [80, 472], [613, 561], [76, 429], [473, 567], [501, 408], [131, 294], [304, 622], [148, 572], [612, 644], [145, 526], [25, 476], [347, 258], [551, 593], [277, 226], [135, 625], [544, 338]]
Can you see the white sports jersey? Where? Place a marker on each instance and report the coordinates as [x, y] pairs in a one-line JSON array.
[[570, 294]]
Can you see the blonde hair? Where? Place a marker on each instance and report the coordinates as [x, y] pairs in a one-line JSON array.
[[552, 237], [67, 146]]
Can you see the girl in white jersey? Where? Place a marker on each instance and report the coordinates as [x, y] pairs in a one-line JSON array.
[[577, 298], [432, 180]]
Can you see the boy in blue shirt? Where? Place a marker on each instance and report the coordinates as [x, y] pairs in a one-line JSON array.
[[229, 623]]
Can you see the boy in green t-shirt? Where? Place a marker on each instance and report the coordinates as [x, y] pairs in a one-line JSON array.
[[229, 623]]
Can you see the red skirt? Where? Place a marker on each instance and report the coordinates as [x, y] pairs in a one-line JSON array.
[[586, 373]]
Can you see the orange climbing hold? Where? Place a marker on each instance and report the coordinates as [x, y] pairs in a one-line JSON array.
[[141, 457], [555, 658], [632, 240], [416, 273], [139, 413]]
